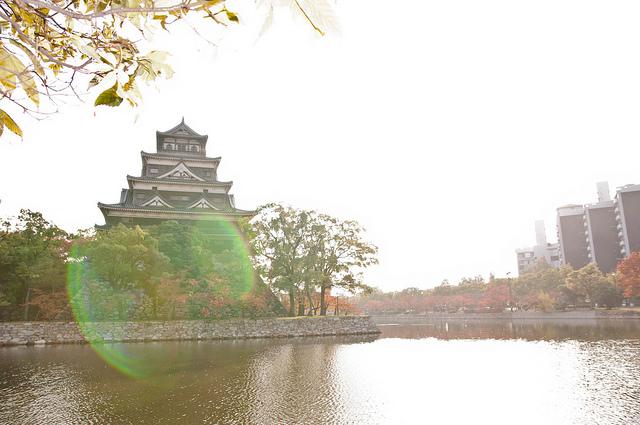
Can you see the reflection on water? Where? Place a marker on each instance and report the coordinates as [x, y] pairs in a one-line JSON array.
[[428, 373], [557, 330]]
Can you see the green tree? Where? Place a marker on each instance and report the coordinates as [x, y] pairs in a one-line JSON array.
[[299, 252], [188, 250], [337, 253], [607, 293], [214, 277], [280, 249], [586, 281], [32, 255], [127, 260], [546, 279]]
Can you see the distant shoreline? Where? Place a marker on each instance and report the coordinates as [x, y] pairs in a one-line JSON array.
[[516, 315]]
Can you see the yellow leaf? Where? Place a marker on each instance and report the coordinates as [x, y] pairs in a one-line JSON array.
[[37, 66], [231, 16], [163, 21], [109, 97], [7, 77], [8, 122], [12, 67], [55, 68], [29, 86]]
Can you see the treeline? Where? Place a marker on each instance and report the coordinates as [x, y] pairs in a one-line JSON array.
[[285, 261], [168, 271], [544, 288]]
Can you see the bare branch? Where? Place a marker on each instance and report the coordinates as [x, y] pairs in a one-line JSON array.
[[185, 5]]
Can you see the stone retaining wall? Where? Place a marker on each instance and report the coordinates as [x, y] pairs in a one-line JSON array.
[[25, 333]]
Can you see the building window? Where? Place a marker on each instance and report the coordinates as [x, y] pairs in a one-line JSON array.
[[205, 190], [153, 170], [154, 188], [207, 173]]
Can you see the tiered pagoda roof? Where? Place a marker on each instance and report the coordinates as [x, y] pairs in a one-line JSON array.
[[178, 182]]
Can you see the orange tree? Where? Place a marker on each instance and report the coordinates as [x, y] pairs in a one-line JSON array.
[[628, 275]]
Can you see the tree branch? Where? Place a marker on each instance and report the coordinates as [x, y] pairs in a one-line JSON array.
[[26, 39], [188, 5]]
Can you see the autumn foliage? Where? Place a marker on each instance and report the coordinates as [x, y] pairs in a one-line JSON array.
[[543, 289], [628, 275]]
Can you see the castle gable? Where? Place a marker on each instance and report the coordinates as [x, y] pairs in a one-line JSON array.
[[181, 171]]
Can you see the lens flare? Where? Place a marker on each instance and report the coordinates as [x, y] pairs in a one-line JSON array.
[[107, 316]]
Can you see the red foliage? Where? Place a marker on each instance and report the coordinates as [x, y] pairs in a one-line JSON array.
[[496, 296], [50, 305], [628, 275], [345, 306]]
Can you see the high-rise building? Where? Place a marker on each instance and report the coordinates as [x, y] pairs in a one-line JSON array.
[[602, 235], [572, 236], [529, 257], [178, 182], [610, 229], [627, 210]]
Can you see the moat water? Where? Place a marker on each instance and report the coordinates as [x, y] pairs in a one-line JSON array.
[[579, 372]]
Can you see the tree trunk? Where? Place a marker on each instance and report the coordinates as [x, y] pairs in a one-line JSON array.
[[312, 308], [323, 301], [300, 305], [26, 304], [292, 302]]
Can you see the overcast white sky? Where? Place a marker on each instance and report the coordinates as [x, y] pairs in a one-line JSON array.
[[444, 127]]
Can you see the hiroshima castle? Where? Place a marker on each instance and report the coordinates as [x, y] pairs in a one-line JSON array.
[[177, 182]]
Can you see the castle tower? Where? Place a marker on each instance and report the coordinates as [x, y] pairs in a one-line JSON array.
[[178, 182]]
